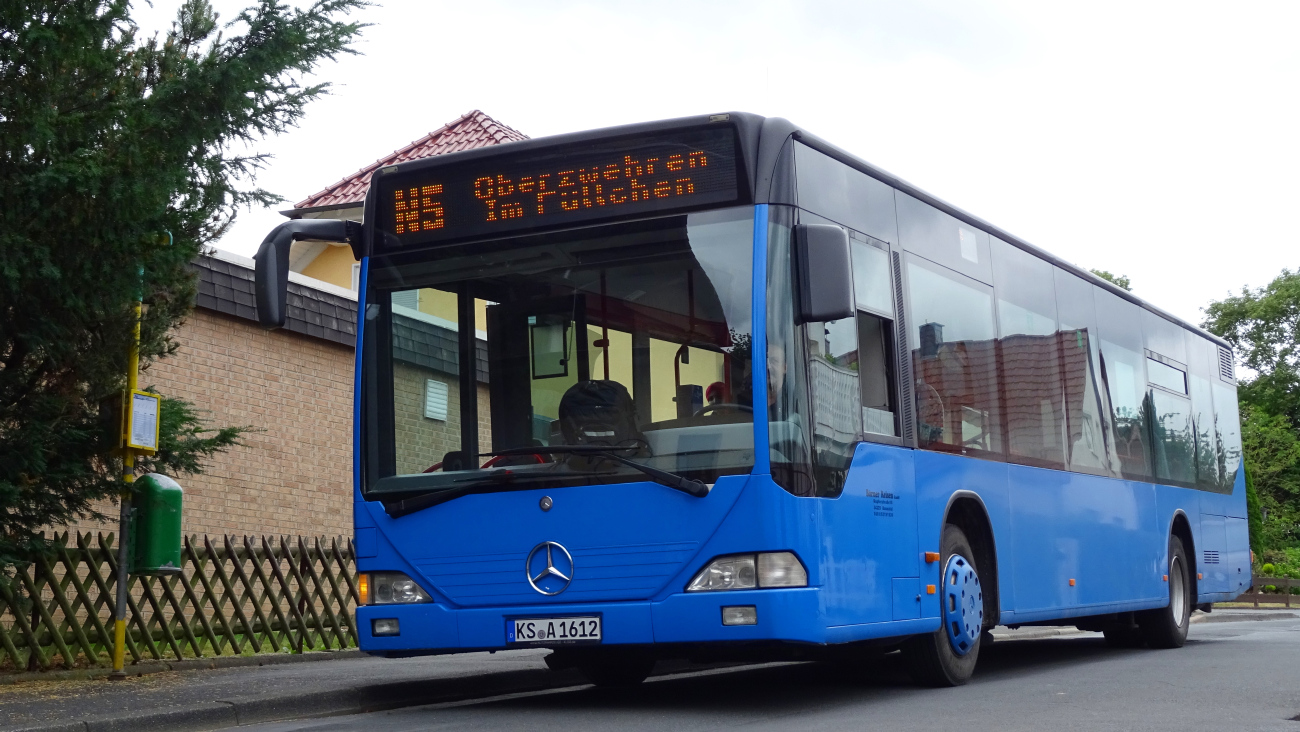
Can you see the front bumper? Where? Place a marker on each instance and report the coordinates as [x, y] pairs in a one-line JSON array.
[[790, 615]]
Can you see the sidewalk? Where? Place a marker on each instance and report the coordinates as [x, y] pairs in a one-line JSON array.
[[217, 698], [344, 683]]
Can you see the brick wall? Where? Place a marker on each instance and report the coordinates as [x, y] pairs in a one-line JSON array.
[[421, 441], [294, 476]]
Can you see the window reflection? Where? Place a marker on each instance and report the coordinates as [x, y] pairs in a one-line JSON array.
[[1123, 372], [954, 362], [1029, 357]]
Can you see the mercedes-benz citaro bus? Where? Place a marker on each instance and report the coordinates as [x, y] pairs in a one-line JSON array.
[[713, 388]]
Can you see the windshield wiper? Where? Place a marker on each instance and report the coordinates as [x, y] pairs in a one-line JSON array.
[[662, 477], [490, 481], [482, 483]]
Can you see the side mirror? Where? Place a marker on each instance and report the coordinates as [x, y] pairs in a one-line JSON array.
[[272, 258], [824, 271]]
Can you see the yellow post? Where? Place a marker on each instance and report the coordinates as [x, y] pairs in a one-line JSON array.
[[128, 477]]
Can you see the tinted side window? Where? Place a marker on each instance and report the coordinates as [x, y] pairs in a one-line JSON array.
[[876, 359], [1201, 356], [1029, 357], [1164, 337], [1090, 443], [1123, 371], [953, 341], [845, 195], [1172, 448], [871, 278], [1227, 433], [1171, 438], [832, 350], [874, 293], [787, 404], [933, 234]]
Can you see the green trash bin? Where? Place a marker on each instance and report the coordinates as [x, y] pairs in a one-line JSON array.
[[156, 525]]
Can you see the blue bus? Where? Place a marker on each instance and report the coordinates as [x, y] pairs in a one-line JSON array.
[[713, 388]]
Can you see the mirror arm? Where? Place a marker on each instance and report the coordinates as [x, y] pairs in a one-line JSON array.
[[272, 258]]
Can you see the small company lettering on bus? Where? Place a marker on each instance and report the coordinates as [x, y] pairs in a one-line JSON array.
[[594, 186]]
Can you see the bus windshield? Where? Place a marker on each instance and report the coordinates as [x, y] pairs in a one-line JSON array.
[[633, 337]]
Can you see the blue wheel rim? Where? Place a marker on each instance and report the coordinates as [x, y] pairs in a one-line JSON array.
[[963, 605]]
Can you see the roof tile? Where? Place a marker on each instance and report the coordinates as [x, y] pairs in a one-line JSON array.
[[470, 130]]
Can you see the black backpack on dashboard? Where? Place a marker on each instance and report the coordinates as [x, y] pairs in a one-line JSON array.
[[599, 412]]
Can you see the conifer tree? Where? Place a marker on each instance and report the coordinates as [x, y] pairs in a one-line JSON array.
[[118, 157]]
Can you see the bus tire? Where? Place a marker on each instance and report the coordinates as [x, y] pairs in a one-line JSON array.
[[1166, 627], [931, 659], [616, 670]]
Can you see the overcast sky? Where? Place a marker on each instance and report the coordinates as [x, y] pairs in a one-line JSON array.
[[1155, 140]]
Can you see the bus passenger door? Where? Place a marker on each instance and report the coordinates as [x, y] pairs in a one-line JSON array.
[[871, 552]]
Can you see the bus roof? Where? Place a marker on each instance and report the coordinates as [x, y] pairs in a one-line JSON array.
[[763, 138]]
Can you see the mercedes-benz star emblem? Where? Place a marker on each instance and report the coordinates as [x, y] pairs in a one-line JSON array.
[[549, 568]]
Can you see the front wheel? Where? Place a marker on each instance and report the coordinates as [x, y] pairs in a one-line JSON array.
[[947, 656], [1166, 627]]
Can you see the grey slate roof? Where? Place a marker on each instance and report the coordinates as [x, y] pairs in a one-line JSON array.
[[227, 287], [427, 345]]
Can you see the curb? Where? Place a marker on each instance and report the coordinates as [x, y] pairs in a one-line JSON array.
[[189, 664], [1197, 617], [1250, 616], [274, 707], [1040, 634]]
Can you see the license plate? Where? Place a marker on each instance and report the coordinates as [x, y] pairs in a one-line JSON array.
[[550, 631]]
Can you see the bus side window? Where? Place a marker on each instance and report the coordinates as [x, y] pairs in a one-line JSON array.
[[833, 376], [1123, 372], [953, 341], [875, 357], [875, 298], [1029, 358]]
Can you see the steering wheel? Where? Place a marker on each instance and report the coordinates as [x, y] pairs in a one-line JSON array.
[[721, 405], [537, 458]]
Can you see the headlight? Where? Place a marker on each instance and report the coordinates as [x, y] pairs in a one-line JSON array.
[[781, 569], [389, 588], [748, 571], [726, 573]]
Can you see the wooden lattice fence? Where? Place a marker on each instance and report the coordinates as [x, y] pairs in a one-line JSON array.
[[234, 596]]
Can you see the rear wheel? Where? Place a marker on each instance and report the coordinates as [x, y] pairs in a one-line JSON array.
[[947, 656], [1166, 627]]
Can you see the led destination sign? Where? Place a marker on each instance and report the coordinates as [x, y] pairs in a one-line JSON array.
[[557, 186]]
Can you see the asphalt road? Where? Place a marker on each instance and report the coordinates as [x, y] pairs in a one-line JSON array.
[[1238, 676]]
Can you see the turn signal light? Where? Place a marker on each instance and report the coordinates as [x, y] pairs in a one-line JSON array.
[[931, 557], [363, 588]]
